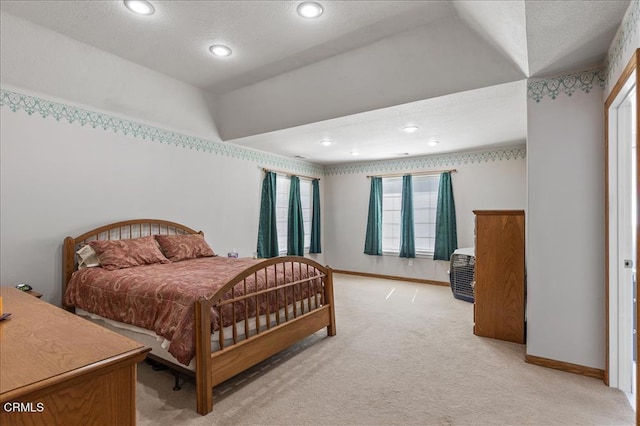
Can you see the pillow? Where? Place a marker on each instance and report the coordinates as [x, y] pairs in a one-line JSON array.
[[87, 257], [180, 247], [119, 254]]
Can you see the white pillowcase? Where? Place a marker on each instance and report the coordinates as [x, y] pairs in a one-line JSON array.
[[88, 257]]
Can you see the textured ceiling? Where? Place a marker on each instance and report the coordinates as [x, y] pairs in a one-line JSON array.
[[569, 35], [358, 73], [268, 37], [488, 117]]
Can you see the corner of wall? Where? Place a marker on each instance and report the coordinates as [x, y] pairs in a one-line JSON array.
[[625, 42]]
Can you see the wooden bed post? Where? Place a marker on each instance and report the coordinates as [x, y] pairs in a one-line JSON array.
[[331, 329], [204, 385], [68, 265]]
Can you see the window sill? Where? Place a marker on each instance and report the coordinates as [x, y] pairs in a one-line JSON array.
[[424, 255]]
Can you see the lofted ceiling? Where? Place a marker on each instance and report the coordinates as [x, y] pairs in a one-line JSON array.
[[356, 75]]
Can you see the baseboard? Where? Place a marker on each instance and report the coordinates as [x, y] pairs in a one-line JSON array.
[[392, 277], [596, 373]]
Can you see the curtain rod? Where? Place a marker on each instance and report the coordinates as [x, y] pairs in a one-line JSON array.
[[433, 172], [279, 172]]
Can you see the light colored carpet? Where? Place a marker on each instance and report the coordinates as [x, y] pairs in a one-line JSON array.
[[407, 357]]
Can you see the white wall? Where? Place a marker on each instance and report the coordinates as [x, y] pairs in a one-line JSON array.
[[60, 176], [482, 181], [59, 179], [565, 224], [565, 210]]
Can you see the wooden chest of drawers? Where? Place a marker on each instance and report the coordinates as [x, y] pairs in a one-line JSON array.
[[499, 310]]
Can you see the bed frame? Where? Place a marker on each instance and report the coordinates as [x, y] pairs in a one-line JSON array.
[[212, 368]]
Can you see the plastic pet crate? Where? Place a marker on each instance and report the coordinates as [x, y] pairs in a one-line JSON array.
[[461, 274]]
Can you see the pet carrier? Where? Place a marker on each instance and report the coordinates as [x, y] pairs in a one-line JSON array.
[[461, 273]]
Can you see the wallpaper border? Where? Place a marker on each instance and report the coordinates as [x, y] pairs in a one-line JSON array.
[[566, 84], [621, 41], [33, 105], [429, 161]]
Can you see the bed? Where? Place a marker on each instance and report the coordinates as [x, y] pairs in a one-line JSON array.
[[216, 316]]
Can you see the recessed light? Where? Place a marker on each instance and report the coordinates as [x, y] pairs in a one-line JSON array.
[[141, 7], [433, 143], [326, 142], [355, 153], [220, 50], [410, 129], [310, 9]]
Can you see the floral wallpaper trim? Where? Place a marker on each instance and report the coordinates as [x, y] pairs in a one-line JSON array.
[[430, 161], [623, 37], [62, 112], [566, 84]]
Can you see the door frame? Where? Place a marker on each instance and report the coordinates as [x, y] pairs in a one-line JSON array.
[[627, 73]]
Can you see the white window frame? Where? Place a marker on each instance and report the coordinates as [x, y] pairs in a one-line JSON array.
[[282, 210], [424, 214]]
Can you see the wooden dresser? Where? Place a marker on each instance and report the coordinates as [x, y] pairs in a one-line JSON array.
[[500, 275], [59, 369]]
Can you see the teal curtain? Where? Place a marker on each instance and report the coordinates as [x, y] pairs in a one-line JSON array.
[[295, 221], [407, 238], [446, 234], [315, 217], [373, 239], [267, 231]]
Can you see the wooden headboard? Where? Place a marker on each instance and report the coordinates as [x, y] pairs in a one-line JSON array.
[[124, 230]]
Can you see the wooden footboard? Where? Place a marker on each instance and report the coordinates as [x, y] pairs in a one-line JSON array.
[[310, 292]]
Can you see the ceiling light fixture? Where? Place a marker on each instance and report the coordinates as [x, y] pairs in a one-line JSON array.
[[309, 9], [141, 7], [220, 50], [355, 153], [326, 142], [409, 129], [433, 143]]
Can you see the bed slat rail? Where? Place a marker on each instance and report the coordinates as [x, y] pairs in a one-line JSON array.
[[271, 290], [249, 303]]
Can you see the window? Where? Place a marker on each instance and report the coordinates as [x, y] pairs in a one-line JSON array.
[[305, 199], [282, 211], [391, 203], [425, 201]]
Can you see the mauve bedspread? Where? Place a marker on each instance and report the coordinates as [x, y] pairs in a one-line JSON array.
[[161, 297]]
